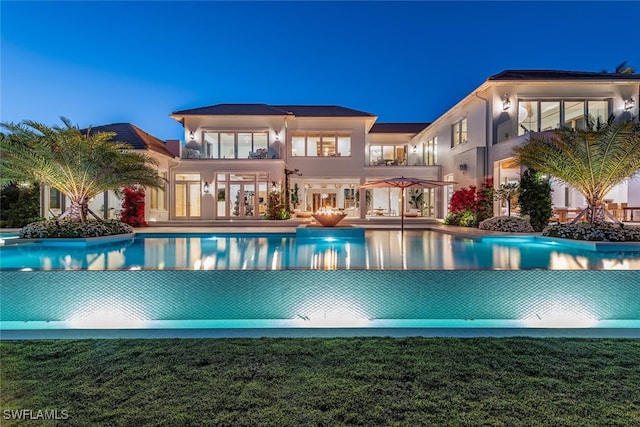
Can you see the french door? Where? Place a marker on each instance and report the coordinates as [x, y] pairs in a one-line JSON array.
[[187, 200]]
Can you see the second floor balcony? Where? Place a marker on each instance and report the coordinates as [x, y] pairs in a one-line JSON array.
[[401, 155], [194, 150]]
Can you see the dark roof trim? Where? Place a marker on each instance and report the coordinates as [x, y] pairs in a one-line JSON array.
[[559, 75], [273, 110], [413, 128]]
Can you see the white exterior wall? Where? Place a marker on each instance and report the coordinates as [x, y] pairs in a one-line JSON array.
[[470, 153], [164, 164]]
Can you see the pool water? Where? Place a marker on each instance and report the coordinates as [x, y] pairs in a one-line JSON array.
[[277, 282], [380, 250]]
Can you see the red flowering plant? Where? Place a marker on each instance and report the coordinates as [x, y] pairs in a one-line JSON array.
[[133, 207], [470, 206]]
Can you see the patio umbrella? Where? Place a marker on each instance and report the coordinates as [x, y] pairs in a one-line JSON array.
[[402, 183]]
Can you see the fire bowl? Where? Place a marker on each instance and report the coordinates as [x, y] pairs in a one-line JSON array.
[[329, 220]]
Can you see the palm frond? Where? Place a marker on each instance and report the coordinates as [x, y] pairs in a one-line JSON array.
[[592, 161]]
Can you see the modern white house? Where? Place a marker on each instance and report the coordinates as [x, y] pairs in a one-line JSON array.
[[234, 155]]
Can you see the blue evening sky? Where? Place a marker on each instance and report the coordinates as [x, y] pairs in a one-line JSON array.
[[105, 62]]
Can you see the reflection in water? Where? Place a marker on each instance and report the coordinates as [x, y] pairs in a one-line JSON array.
[[381, 250]]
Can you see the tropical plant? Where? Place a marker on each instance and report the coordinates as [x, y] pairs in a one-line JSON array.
[[79, 163], [592, 161], [506, 193], [416, 198], [20, 205], [534, 199], [622, 69], [277, 208], [133, 207], [295, 200], [469, 206]]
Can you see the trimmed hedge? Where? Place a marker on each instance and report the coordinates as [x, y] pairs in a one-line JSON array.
[[510, 224], [605, 232], [72, 229]]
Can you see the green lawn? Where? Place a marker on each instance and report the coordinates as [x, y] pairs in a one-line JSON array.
[[342, 381]]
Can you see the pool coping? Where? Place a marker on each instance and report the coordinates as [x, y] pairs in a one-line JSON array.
[[73, 241], [196, 333]]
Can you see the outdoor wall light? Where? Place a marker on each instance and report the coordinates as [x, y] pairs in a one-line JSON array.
[[415, 149], [206, 188], [506, 102], [191, 135], [629, 104]]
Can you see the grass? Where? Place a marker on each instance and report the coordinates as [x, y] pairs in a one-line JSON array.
[[326, 382]]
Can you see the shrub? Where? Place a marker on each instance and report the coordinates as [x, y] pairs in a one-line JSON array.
[[605, 232], [535, 199], [277, 207], [133, 207], [469, 206], [20, 205], [510, 224], [462, 219], [73, 229]]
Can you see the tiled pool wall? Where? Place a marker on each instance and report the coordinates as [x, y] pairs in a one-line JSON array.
[[311, 298]]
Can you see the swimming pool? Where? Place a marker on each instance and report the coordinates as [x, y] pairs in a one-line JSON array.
[[379, 250], [327, 292]]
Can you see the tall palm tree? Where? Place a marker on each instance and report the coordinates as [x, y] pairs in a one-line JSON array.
[[592, 161], [79, 164], [622, 68]]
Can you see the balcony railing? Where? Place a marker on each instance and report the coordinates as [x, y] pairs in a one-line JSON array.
[[189, 153], [396, 163]]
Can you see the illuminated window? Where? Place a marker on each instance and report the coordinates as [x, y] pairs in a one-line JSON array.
[[430, 151], [459, 132], [537, 115], [55, 199], [235, 145], [320, 144]]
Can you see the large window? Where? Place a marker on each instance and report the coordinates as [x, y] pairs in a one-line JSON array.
[[235, 145], [55, 199], [459, 132], [387, 155], [320, 144], [430, 151], [157, 198], [537, 115]]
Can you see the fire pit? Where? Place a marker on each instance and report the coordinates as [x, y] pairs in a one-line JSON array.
[[329, 219]]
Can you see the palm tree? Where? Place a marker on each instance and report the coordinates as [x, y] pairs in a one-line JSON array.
[[507, 192], [622, 69], [79, 164], [592, 161]]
